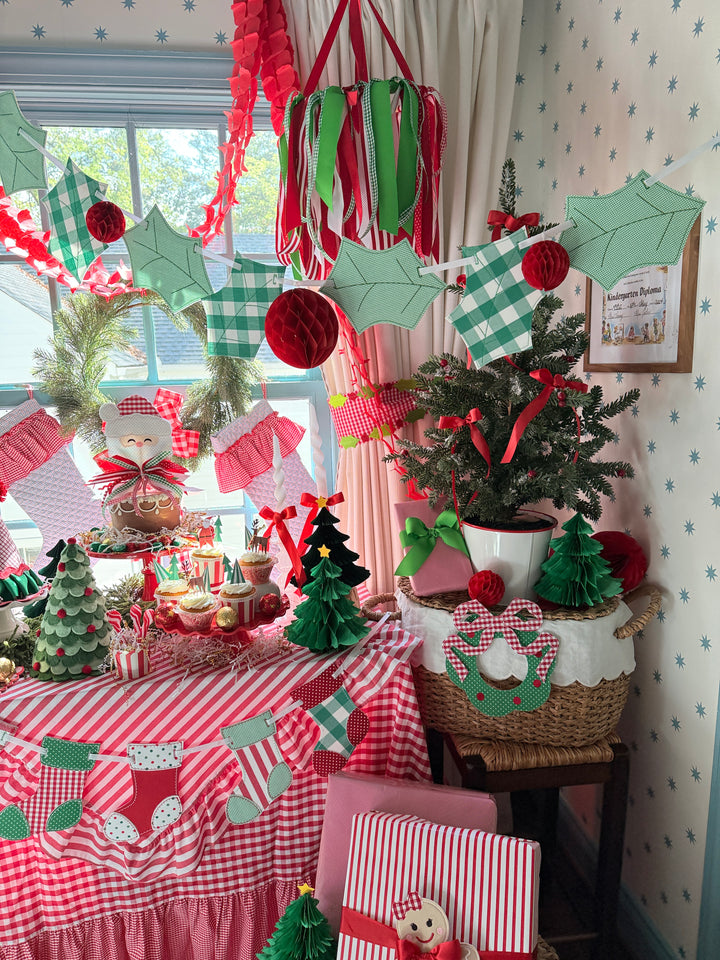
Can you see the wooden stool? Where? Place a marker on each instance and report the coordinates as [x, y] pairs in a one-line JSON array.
[[515, 768]]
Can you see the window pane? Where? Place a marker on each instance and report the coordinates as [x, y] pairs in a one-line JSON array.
[[177, 172], [258, 188], [179, 352], [100, 152], [26, 321]]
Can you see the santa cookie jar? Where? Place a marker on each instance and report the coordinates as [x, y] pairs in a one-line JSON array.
[[142, 486]]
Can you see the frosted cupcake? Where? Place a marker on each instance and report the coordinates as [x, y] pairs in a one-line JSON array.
[[171, 591], [256, 565], [211, 559], [197, 609], [241, 597]]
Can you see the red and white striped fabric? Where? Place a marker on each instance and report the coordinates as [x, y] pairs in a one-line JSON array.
[[487, 884], [132, 664], [63, 889]]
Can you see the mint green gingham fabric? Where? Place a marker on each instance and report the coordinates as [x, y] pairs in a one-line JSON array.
[[494, 317], [68, 202], [332, 717], [236, 313]]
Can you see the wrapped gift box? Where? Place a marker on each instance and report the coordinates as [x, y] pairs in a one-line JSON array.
[[351, 793], [132, 664], [446, 568], [487, 884]]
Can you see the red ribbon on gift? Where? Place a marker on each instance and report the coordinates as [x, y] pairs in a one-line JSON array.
[[477, 437], [185, 443], [497, 219], [551, 382], [545, 645], [277, 519], [448, 950]]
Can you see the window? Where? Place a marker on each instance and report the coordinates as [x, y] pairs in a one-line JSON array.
[[154, 139]]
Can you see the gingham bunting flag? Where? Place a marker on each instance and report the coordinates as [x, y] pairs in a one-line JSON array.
[[494, 316], [236, 313], [68, 202]]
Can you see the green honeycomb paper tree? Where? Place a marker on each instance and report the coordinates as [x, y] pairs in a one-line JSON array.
[[75, 633], [576, 575], [301, 933]]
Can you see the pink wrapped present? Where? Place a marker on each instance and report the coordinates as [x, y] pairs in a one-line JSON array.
[[131, 664], [436, 560], [487, 885], [351, 793]]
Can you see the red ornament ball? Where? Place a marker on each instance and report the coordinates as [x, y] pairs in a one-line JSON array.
[[72, 540], [36, 666], [105, 221], [625, 555], [166, 617], [88, 591], [546, 264], [61, 568], [301, 327], [270, 605], [487, 587], [61, 613], [87, 669], [60, 652]]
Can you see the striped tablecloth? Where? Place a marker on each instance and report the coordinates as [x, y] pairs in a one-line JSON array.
[[202, 889]]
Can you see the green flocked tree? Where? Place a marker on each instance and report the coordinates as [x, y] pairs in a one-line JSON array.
[[74, 633], [301, 933], [576, 575], [328, 619], [325, 535]]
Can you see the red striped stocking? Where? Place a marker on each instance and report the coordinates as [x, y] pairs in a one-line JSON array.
[[265, 773]]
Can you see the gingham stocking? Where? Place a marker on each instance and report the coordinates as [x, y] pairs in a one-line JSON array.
[[343, 725], [155, 803], [265, 773], [56, 803]]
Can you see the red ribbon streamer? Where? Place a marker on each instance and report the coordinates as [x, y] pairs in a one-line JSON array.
[[497, 219], [277, 519], [551, 382], [478, 438]]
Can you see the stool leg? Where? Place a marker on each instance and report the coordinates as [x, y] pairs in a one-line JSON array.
[[610, 852], [436, 746]]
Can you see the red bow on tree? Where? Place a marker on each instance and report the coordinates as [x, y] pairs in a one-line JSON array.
[[449, 950], [551, 382], [315, 504], [497, 219], [478, 438], [277, 519]]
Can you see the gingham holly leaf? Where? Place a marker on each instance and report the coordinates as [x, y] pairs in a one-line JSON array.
[[635, 226], [381, 286], [21, 165], [167, 262]]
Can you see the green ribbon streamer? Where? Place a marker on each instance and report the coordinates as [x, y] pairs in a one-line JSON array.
[[330, 125], [422, 539], [407, 161], [384, 155]]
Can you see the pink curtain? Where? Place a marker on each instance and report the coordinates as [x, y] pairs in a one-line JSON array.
[[467, 50]]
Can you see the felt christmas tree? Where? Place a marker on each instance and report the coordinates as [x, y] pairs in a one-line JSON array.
[[301, 933], [328, 619], [218, 530], [74, 633], [325, 535], [37, 609], [576, 575]]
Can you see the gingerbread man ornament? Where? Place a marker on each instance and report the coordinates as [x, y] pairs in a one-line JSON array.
[[423, 928]]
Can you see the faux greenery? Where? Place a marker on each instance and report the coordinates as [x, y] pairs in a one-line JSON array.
[[88, 329]]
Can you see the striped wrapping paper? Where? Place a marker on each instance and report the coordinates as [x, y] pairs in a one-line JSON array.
[[487, 884], [62, 879], [132, 664]]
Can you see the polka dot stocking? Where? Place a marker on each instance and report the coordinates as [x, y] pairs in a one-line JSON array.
[[56, 803], [155, 802]]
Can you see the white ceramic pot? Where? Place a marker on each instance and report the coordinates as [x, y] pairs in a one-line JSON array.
[[515, 555]]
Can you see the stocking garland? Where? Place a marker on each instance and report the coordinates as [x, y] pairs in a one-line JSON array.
[[155, 803]]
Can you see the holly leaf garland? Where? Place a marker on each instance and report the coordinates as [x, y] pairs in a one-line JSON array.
[[381, 286], [21, 165], [635, 226], [167, 262]]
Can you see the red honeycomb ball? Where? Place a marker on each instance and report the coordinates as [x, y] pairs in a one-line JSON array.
[[301, 327], [625, 555], [105, 221], [487, 587], [546, 264]]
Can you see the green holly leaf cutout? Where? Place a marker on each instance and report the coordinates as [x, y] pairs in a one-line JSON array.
[[21, 165], [381, 286], [167, 262], [635, 226]]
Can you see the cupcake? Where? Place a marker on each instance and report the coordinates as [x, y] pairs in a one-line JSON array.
[[256, 565], [197, 609], [241, 597], [171, 591], [209, 558]]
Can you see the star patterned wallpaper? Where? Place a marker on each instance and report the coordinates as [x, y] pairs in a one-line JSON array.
[[602, 90]]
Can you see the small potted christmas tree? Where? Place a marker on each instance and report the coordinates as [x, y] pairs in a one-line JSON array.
[[530, 430]]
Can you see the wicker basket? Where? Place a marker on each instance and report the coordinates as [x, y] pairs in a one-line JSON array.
[[572, 716]]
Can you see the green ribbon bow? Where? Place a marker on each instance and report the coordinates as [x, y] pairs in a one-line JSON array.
[[421, 540]]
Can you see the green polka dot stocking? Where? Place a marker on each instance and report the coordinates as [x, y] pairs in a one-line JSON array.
[[56, 803]]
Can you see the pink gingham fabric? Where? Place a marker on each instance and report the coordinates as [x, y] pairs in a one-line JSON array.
[[186, 892], [185, 443], [251, 454], [358, 416], [28, 438]]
